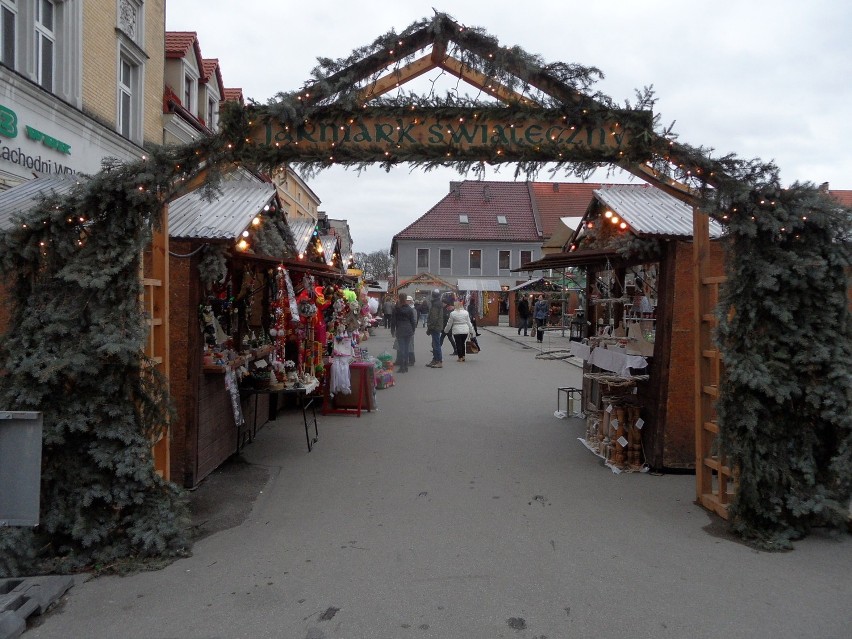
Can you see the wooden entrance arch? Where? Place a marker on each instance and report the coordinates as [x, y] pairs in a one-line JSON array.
[[540, 114]]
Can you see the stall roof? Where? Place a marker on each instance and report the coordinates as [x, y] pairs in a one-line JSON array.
[[224, 217], [574, 258], [23, 197], [329, 243], [651, 211], [303, 230], [479, 285], [542, 283]]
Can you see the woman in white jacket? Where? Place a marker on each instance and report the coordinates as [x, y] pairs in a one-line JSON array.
[[460, 327]]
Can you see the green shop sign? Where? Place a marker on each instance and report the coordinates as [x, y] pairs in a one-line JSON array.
[[9, 129]]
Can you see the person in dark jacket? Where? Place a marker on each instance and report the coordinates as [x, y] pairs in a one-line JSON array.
[[435, 323], [402, 328], [448, 301], [523, 315]]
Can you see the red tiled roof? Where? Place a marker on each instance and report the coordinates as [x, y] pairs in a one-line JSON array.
[[233, 94], [844, 197], [482, 202], [561, 199], [178, 43], [212, 69]]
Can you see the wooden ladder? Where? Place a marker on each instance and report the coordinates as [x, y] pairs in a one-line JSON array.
[[715, 483]]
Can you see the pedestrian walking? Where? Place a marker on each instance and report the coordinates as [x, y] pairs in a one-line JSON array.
[[448, 301], [435, 323], [459, 326], [403, 325], [540, 312], [523, 315], [413, 306], [423, 311], [387, 311], [473, 311]]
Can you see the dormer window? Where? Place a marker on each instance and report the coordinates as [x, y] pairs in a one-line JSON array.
[[188, 91], [501, 219], [463, 218]]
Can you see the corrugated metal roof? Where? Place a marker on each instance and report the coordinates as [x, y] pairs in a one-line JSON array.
[[329, 243], [243, 197], [650, 211], [303, 230], [479, 285], [20, 199]]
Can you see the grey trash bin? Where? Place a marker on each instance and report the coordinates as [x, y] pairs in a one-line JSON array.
[[20, 467]]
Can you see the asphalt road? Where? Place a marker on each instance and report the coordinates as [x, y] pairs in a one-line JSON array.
[[461, 508]]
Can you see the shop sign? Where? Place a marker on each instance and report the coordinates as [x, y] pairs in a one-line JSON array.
[[465, 130], [40, 134], [42, 154]]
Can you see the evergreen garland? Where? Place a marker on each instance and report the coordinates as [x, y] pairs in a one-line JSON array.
[[73, 351], [785, 413]]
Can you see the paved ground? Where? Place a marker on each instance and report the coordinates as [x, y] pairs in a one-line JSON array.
[[461, 508]]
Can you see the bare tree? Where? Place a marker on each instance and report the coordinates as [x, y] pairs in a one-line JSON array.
[[377, 265]]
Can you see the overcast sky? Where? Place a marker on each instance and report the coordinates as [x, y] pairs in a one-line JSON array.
[[766, 79]]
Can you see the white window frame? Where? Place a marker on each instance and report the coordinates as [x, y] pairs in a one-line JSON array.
[[418, 253], [129, 53], [471, 269], [500, 254], [190, 91], [66, 37], [43, 34], [9, 39], [445, 269], [212, 113]]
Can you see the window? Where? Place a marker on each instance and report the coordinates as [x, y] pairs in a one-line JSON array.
[[125, 97], [44, 43], [212, 113], [8, 17], [129, 94], [475, 259], [501, 219], [446, 259], [504, 260], [423, 258], [463, 218], [42, 40], [188, 92], [526, 257]]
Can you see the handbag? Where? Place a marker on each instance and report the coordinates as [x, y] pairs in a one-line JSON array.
[[471, 346]]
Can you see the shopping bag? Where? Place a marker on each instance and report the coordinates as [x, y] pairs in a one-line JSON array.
[[533, 331], [471, 346]]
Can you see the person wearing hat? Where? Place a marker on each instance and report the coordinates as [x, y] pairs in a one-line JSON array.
[[434, 328], [410, 301], [402, 328]]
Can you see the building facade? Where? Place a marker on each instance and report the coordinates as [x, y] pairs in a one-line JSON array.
[[64, 107], [480, 231]]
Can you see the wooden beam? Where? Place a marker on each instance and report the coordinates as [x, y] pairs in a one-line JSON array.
[[676, 189], [395, 78], [482, 82]]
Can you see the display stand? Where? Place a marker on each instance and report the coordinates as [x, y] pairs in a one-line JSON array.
[[302, 399], [362, 376]]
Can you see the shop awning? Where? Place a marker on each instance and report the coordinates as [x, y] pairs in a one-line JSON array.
[[479, 285]]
